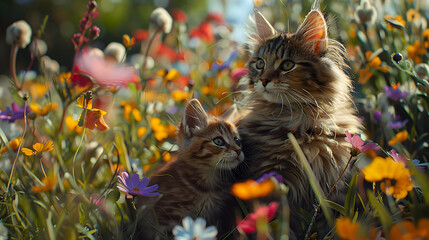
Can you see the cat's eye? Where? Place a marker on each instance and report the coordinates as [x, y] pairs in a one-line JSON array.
[[260, 64], [287, 65], [219, 141], [237, 141]]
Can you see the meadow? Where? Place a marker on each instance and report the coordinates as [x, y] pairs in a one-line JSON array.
[[79, 142]]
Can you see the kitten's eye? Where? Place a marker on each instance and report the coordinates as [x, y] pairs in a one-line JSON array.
[[219, 141], [237, 141], [287, 65], [260, 64]]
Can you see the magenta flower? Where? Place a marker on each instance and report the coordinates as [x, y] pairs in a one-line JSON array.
[[394, 93], [249, 225], [135, 186], [238, 73], [92, 68], [397, 157]]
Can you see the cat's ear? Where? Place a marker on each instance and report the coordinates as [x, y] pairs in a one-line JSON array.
[[194, 117], [264, 28], [314, 31]]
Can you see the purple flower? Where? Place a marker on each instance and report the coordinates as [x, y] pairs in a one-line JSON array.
[[13, 114], [266, 176], [221, 66], [377, 116], [397, 124], [397, 157], [370, 146], [394, 93], [133, 185]]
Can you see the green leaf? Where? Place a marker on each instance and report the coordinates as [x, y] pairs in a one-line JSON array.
[[336, 206], [113, 195], [422, 180], [350, 202], [380, 210]]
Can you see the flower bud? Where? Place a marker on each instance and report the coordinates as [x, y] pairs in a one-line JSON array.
[[422, 71], [49, 65], [366, 12], [116, 51], [38, 47], [161, 19], [20, 33]]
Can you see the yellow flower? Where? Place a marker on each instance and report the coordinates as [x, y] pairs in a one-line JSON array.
[[395, 178], [346, 229], [172, 75], [375, 62], [46, 109], [72, 125], [406, 230], [141, 131], [127, 41], [399, 137], [180, 96], [161, 132], [416, 51], [209, 89], [65, 78], [394, 22], [131, 109], [38, 148], [48, 185], [14, 144], [425, 37], [93, 117], [251, 189]]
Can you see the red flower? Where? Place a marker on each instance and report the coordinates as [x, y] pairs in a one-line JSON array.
[[179, 15], [215, 17], [203, 31], [141, 35], [249, 225], [170, 53]]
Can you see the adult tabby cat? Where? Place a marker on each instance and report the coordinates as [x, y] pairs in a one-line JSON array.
[[297, 85], [197, 182]]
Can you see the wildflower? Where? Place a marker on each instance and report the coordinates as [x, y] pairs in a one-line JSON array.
[[375, 62], [13, 114], [46, 109], [397, 157], [397, 124], [90, 68], [394, 177], [161, 132], [180, 96], [141, 35], [203, 31], [267, 176], [407, 230], [164, 50], [376, 116], [91, 117], [19, 33], [128, 41], [219, 65], [65, 78], [194, 230], [166, 156], [364, 75], [179, 15], [73, 125], [237, 74], [399, 137], [49, 65], [365, 12], [115, 51], [418, 23], [252, 189], [135, 186], [14, 144], [141, 131], [263, 214], [38, 148], [48, 184], [130, 109], [394, 92], [416, 51], [425, 37], [161, 19], [38, 47], [394, 22], [93, 33], [346, 229], [358, 144]]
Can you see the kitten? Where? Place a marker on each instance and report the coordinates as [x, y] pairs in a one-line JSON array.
[[196, 184], [297, 85]]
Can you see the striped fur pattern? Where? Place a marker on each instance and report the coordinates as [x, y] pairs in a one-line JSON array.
[[297, 84], [197, 182]]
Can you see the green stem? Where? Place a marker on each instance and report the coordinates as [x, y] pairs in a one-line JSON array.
[[143, 69], [13, 54], [77, 150]]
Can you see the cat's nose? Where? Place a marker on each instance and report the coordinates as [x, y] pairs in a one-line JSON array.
[[265, 82]]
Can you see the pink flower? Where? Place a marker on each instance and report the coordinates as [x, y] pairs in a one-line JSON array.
[[91, 68], [358, 144], [249, 225], [238, 73], [398, 157]]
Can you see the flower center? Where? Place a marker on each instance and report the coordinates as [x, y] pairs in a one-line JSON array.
[[135, 189]]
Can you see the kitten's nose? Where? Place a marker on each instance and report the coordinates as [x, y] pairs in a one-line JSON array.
[[265, 82]]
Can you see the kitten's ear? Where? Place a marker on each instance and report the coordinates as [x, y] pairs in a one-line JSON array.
[[264, 28], [194, 116], [314, 31]]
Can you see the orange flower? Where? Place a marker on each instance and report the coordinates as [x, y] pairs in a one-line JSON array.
[[425, 37], [166, 156], [346, 229], [180, 96], [38, 148], [161, 131], [394, 177], [91, 117], [364, 75], [252, 189], [36, 90], [394, 22], [399, 137], [131, 109], [416, 51], [72, 125], [406, 230], [141, 131], [65, 78], [210, 88], [46, 109], [375, 62], [14, 144], [48, 185], [127, 41]]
